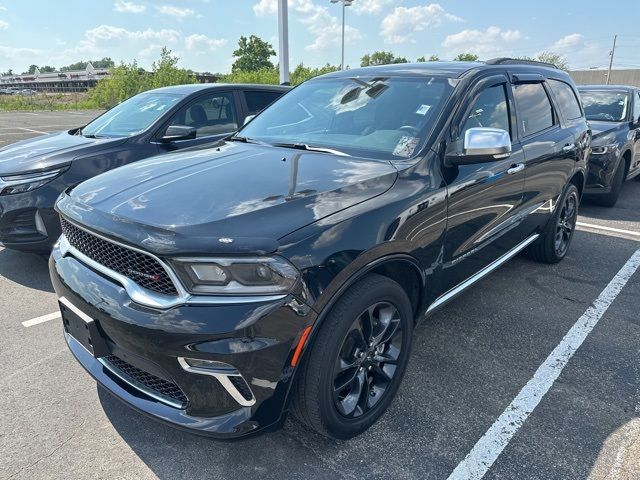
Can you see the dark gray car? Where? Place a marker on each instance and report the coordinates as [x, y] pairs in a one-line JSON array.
[[34, 172]]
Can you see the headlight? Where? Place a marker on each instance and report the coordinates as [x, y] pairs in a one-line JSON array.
[[237, 276], [26, 182], [601, 150]]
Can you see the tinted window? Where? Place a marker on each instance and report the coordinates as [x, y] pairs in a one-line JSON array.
[[374, 117], [605, 106], [257, 101], [489, 110], [636, 107], [534, 109], [212, 114], [132, 116], [567, 100]]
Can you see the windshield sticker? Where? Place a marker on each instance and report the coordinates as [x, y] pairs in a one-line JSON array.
[[406, 146], [423, 109]]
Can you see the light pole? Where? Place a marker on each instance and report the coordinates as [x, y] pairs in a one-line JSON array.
[[345, 3], [283, 41]]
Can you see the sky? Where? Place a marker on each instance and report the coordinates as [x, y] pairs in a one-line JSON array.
[[204, 33]]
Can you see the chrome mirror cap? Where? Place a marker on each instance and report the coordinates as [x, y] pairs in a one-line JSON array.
[[486, 142]]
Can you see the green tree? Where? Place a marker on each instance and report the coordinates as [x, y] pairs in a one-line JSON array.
[[466, 57], [434, 58], [105, 62], [8, 72], [421, 59], [553, 58], [32, 70], [44, 69], [381, 58], [252, 54], [127, 80], [271, 75]]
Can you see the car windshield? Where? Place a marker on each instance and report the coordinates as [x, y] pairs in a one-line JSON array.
[[131, 116], [605, 106], [386, 118]]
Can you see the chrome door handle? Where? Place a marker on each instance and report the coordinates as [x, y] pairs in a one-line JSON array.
[[518, 167], [568, 148]]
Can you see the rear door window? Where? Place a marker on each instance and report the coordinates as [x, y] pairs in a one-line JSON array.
[[212, 114], [533, 108], [258, 100], [567, 101]]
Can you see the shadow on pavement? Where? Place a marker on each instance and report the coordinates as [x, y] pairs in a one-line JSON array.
[[26, 269]]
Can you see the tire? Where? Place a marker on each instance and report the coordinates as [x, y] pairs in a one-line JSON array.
[[547, 248], [340, 412], [609, 199]]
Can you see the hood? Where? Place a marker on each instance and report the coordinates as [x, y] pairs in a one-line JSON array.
[[254, 195], [603, 130], [47, 151]]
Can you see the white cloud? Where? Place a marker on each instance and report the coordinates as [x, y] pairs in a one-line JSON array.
[[176, 12], [401, 25], [325, 27], [568, 41], [108, 32], [3, 25], [202, 43], [16, 52], [370, 7], [491, 41], [128, 7]]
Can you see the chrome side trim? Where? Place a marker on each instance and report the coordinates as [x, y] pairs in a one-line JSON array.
[[223, 378], [140, 387], [442, 299], [148, 298]]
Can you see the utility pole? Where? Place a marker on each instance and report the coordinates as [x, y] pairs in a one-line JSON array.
[[613, 50], [283, 41], [345, 3]]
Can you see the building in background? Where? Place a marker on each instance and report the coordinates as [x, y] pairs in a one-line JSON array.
[[618, 77], [73, 80]]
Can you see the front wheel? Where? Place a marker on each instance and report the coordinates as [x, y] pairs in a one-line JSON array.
[[357, 360], [553, 244]]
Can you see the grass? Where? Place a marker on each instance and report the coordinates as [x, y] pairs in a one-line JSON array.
[[46, 101]]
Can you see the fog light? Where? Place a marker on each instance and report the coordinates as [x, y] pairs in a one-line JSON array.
[[228, 376], [42, 230]]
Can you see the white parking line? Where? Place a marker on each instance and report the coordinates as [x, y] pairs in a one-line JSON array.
[[488, 448], [30, 130], [42, 319], [608, 229]]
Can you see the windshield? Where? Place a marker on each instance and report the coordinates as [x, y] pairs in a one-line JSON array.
[[131, 116], [384, 118], [605, 106]]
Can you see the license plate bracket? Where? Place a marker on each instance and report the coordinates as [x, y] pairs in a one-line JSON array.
[[83, 328]]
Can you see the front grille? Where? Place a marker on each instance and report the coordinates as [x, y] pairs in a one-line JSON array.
[[137, 377], [142, 269]]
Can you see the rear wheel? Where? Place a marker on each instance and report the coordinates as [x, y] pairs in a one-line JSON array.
[[357, 360], [553, 244]]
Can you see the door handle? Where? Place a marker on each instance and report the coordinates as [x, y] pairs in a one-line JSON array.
[[568, 148], [515, 168]]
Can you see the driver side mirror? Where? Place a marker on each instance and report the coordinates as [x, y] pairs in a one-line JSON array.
[[480, 144], [178, 132]]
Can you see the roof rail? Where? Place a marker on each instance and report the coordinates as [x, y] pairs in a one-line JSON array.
[[518, 61]]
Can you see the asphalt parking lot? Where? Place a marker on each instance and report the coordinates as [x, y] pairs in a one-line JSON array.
[[470, 365]]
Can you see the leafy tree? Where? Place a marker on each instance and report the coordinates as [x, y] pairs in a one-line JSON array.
[[106, 62], [434, 58], [127, 80], [421, 59], [252, 54], [271, 75], [8, 72], [32, 69], [47, 69], [303, 73], [466, 57], [554, 58], [381, 58], [44, 69]]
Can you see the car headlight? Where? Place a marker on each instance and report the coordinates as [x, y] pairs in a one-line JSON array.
[[12, 184], [604, 149], [237, 276]]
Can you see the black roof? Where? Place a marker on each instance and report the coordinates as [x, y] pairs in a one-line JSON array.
[[200, 87], [452, 69]]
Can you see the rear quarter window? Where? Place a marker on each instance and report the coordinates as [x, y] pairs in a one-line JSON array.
[[533, 108], [258, 100], [566, 98]]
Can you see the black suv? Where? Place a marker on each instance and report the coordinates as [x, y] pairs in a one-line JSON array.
[[613, 111], [34, 172], [285, 268]]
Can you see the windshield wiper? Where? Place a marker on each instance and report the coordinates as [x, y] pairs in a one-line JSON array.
[[239, 138], [311, 148]]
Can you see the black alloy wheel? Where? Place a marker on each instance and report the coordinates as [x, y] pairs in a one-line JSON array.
[[566, 224]]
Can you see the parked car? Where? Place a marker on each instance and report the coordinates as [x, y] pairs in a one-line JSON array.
[[26, 92], [285, 268], [34, 172], [614, 114]]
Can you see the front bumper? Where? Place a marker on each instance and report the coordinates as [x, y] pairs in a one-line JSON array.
[[600, 172], [258, 339], [19, 227]]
